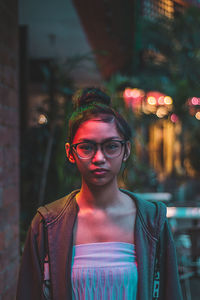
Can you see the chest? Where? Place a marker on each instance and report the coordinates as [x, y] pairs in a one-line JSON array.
[[99, 227]]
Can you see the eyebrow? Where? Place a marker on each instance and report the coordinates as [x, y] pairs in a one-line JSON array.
[[104, 140]]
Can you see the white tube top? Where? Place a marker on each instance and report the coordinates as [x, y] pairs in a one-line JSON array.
[[102, 271]]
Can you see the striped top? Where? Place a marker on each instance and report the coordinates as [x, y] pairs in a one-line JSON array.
[[104, 271]]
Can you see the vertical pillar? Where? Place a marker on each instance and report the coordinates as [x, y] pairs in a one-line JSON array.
[[9, 149]]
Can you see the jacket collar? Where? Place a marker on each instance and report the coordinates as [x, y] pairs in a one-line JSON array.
[[151, 214]]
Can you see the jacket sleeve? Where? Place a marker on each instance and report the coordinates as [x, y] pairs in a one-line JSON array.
[[30, 280], [169, 278]]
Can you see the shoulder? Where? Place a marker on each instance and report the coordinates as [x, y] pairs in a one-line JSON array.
[[151, 213], [50, 212]]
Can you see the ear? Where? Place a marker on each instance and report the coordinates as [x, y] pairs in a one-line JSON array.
[[69, 153], [127, 151]]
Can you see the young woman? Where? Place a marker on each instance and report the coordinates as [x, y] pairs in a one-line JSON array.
[[99, 242]]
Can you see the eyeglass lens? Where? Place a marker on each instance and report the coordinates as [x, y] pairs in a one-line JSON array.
[[110, 149]]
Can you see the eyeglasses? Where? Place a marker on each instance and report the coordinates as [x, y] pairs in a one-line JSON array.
[[110, 149]]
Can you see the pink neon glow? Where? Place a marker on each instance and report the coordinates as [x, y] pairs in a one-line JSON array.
[[127, 93], [195, 101], [174, 118], [133, 97]]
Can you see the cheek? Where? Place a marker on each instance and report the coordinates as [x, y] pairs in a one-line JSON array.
[[116, 165], [82, 166]]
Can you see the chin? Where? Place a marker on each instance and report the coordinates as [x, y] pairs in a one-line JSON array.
[[101, 181]]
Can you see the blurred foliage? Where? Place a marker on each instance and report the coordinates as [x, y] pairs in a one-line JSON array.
[[193, 149], [171, 64], [136, 174], [166, 59], [169, 57], [60, 176]]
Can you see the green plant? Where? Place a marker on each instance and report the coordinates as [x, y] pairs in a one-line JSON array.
[[136, 173], [166, 59]]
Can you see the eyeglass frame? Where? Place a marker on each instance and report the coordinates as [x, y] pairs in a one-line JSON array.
[[74, 146]]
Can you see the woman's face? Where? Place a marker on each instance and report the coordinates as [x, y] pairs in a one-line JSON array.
[[99, 169]]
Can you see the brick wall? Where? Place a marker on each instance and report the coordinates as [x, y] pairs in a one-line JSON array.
[[9, 149]]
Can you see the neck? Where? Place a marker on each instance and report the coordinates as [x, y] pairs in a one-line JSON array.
[[99, 197]]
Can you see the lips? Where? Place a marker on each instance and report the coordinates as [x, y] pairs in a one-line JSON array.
[[99, 172]]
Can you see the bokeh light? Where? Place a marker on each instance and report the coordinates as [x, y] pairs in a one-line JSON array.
[[161, 100], [151, 100], [161, 112], [42, 119], [174, 118], [197, 115], [168, 100], [195, 101]]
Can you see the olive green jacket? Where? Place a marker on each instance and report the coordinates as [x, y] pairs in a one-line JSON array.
[[51, 233]]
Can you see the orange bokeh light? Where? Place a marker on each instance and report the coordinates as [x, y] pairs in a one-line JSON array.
[[168, 100], [197, 115], [151, 100]]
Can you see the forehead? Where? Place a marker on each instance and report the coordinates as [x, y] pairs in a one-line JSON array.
[[96, 130]]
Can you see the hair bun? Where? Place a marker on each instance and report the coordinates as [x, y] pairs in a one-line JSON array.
[[87, 96]]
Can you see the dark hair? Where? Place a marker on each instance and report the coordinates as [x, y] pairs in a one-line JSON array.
[[91, 103]]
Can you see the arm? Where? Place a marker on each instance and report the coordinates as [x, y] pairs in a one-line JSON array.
[[31, 270], [169, 285]]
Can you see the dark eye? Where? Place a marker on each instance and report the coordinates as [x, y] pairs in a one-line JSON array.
[[112, 146], [85, 147]]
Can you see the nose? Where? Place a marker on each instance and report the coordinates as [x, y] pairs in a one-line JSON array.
[[99, 157]]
